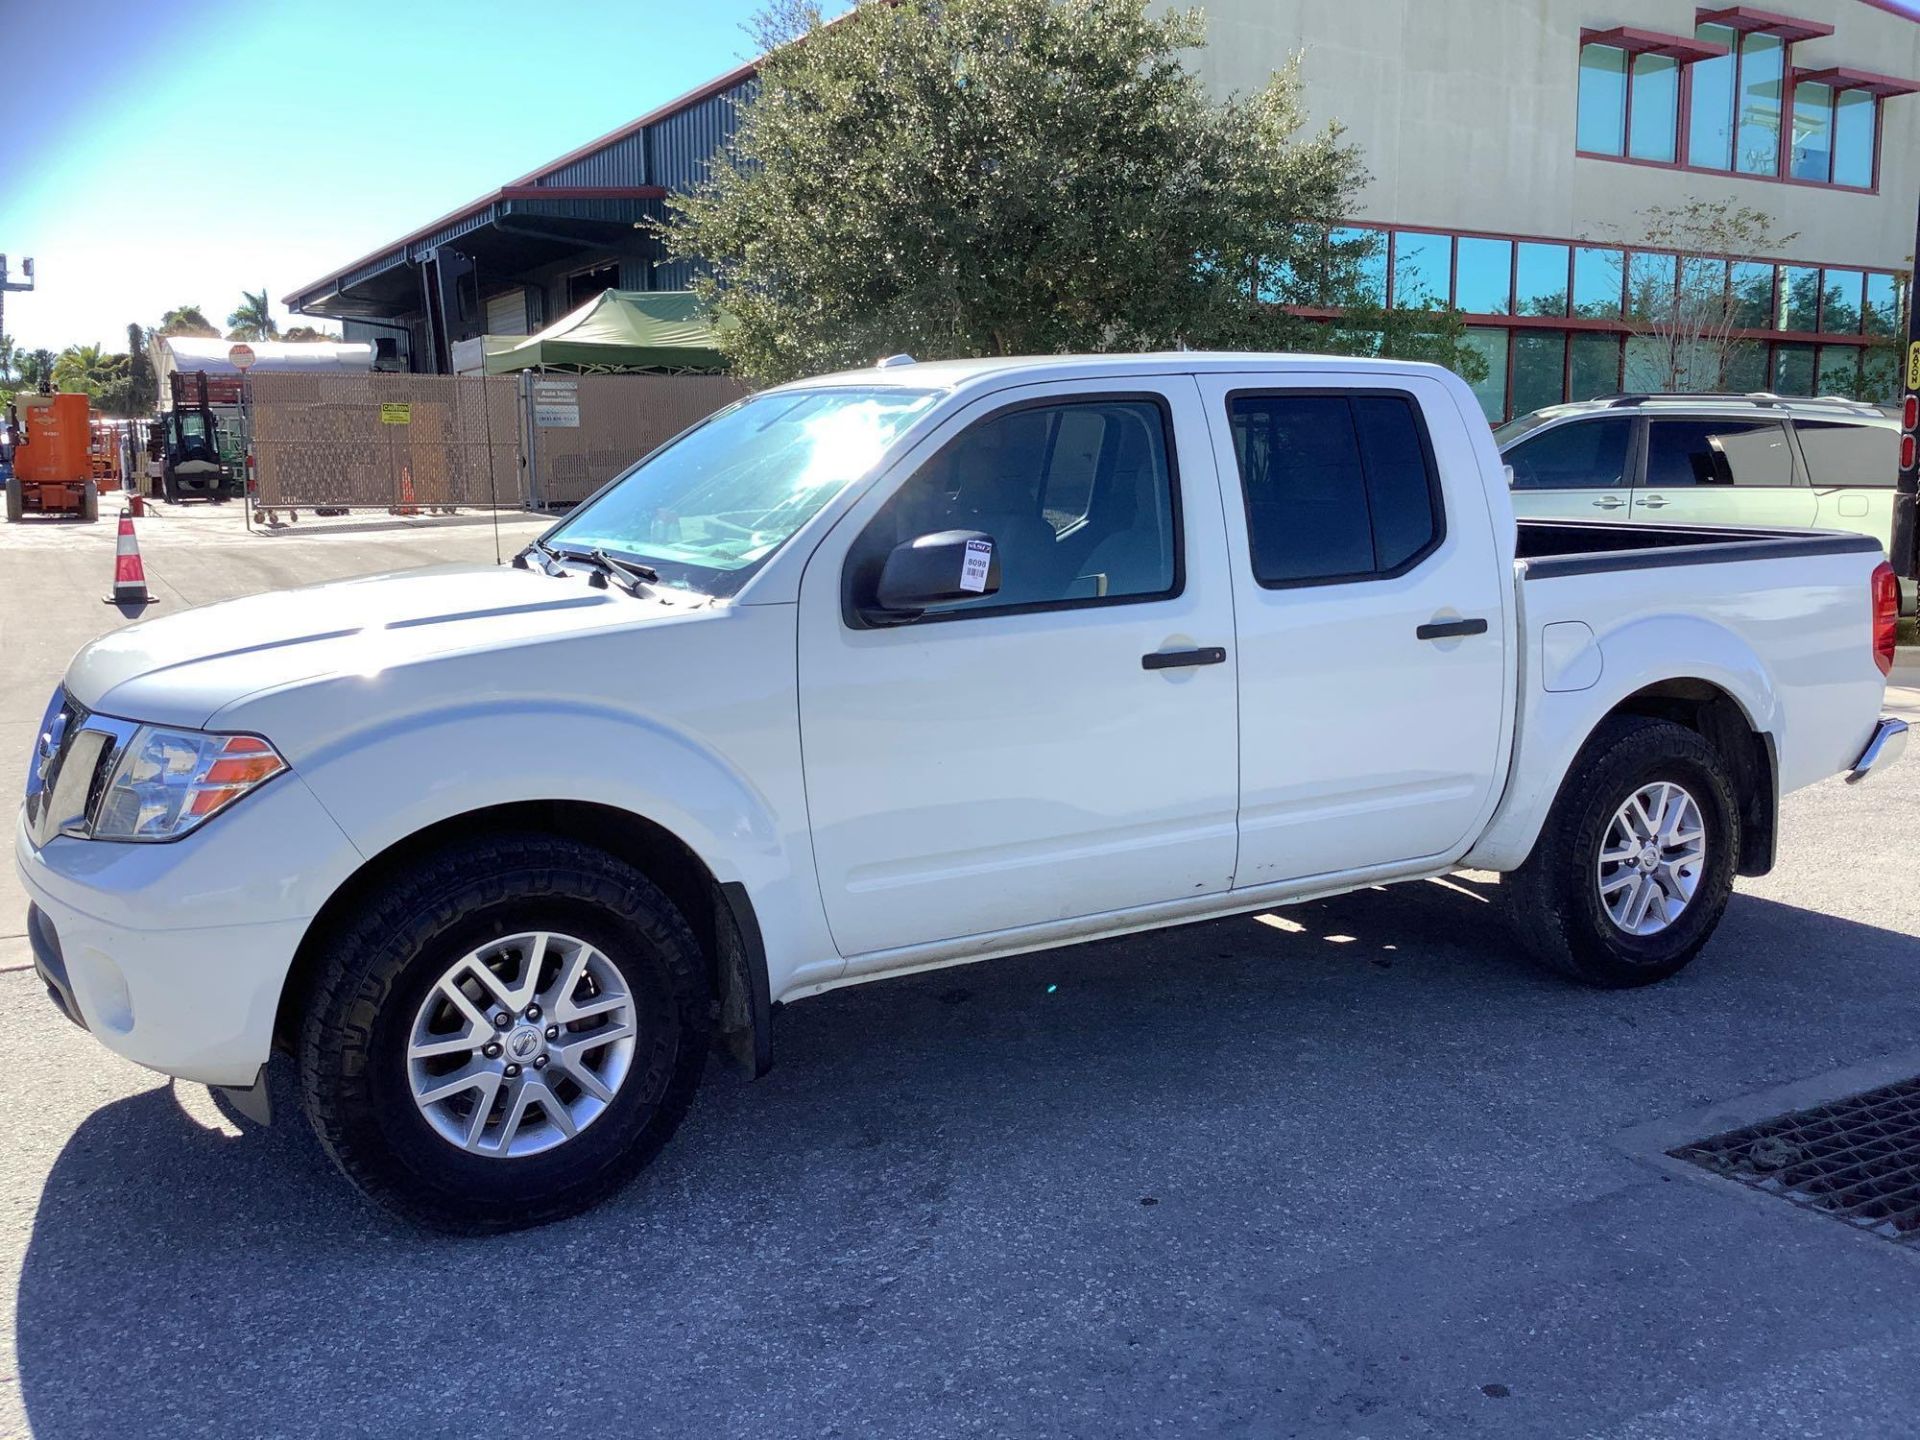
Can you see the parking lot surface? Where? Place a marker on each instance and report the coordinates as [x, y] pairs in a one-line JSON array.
[[1350, 1168]]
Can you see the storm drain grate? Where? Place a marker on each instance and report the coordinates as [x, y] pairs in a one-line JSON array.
[[1858, 1158]]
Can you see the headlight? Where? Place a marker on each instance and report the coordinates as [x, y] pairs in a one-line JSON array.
[[167, 782]]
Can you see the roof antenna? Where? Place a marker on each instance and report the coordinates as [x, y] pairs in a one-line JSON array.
[[888, 362]]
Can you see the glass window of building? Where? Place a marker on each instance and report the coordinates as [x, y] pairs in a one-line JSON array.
[[1710, 108], [1602, 124], [1757, 136], [1593, 366], [1654, 126], [1883, 305], [1752, 295], [1855, 122], [1541, 279], [1539, 369], [1489, 342], [1649, 366], [1799, 297], [1597, 276], [1422, 266], [1744, 368], [1792, 369], [1483, 278], [1838, 371], [1880, 376], [1812, 157], [1357, 264], [1840, 302], [1649, 285]]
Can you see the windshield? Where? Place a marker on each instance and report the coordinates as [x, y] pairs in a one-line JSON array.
[[709, 509], [1505, 435]]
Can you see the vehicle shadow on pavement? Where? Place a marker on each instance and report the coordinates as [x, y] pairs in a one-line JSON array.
[[1081, 1191]]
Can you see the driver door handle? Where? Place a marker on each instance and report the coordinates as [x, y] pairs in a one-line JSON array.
[[1174, 659]]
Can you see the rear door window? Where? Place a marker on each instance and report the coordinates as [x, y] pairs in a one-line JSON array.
[[1580, 455], [1337, 486], [1717, 452], [1840, 455]]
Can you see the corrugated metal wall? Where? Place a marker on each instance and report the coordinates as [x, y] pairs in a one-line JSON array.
[[682, 144], [622, 163]]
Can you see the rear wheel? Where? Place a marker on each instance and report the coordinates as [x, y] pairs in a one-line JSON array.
[[1634, 867], [90, 502], [505, 1036], [16, 499]]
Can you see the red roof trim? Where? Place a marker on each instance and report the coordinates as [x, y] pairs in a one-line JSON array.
[[582, 192], [1748, 20], [1636, 41], [1842, 77]]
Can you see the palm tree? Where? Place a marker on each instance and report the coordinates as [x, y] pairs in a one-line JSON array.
[[254, 318], [9, 352], [36, 368], [186, 320], [87, 369]]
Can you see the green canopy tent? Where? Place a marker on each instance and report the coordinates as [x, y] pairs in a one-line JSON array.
[[618, 330]]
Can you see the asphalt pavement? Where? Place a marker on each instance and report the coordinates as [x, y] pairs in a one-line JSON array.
[[1351, 1168]]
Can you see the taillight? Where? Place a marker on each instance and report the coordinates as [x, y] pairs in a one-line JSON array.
[[1906, 452], [1886, 615], [1910, 413]]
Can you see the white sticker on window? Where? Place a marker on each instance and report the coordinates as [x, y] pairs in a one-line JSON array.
[[973, 569]]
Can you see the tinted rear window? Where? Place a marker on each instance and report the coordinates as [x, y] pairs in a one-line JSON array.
[[1717, 452], [1337, 486], [1839, 454]]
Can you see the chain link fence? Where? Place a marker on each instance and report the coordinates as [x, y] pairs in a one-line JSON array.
[[427, 442]]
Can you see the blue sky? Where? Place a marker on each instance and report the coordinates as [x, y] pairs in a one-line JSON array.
[[174, 151]]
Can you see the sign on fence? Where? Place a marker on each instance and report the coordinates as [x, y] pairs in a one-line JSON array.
[[556, 404], [396, 413]]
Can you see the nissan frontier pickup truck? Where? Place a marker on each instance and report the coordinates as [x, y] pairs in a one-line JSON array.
[[895, 669]]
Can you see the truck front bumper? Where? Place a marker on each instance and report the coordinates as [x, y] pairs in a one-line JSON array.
[[119, 933], [1889, 742]]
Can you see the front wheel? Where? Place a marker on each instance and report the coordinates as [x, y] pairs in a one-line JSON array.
[[506, 1035], [1634, 866]]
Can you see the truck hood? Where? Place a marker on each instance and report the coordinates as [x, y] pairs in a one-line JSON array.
[[184, 669]]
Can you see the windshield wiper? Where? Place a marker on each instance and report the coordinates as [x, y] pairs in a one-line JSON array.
[[632, 575], [549, 557]]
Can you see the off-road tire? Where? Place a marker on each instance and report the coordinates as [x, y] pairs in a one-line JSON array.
[[376, 968], [1553, 899]]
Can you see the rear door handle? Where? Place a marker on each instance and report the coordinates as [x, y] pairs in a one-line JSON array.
[[1651, 502], [1174, 659], [1609, 504], [1449, 629]]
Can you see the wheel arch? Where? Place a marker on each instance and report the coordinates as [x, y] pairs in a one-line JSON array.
[[1715, 711], [720, 914]]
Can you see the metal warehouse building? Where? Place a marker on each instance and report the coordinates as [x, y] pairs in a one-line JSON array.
[[1512, 145], [537, 247]]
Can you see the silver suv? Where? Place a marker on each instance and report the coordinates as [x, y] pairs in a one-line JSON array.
[[1761, 459]]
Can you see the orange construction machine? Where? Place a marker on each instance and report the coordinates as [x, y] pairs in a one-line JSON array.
[[52, 458]]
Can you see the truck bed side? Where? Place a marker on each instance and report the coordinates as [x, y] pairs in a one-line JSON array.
[[1631, 618]]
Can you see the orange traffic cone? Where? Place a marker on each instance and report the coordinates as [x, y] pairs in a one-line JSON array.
[[406, 505], [129, 575]]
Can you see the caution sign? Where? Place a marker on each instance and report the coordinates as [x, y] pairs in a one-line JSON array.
[[556, 404], [1913, 366], [396, 412]]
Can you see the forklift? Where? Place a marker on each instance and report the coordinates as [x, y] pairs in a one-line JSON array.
[[195, 454], [52, 457]]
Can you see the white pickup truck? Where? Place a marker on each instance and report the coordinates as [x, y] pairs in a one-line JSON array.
[[898, 669]]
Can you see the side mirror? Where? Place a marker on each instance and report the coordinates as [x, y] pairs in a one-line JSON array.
[[931, 570]]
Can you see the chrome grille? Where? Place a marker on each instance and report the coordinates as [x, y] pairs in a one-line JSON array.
[[72, 753]]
